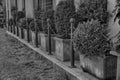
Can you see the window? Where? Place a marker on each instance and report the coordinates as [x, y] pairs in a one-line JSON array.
[[49, 4], [37, 4], [23, 4], [43, 4]]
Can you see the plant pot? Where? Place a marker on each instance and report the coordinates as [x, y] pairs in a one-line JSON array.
[[20, 36], [25, 34], [118, 64], [32, 37], [45, 43], [63, 49], [16, 30], [12, 29], [102, 68], [39, 38], [9, 28]]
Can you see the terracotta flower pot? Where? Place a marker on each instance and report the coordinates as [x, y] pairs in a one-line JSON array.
[[102, 68], [63, 49]]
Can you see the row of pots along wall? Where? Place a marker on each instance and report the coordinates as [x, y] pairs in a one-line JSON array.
[[61, 47]]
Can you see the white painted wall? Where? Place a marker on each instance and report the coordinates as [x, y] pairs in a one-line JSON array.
[[20, 5], [12, 3], [9, 8], [29, 8]]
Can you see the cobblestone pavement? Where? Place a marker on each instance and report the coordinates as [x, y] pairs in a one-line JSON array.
[[18, 62]]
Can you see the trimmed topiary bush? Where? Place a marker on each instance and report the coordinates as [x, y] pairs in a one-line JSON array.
[[20, 14], [22, 23], [92, 9], [90, 38], [38, 14], [38, 25], [64, 11], [44, 16], [14, 14]]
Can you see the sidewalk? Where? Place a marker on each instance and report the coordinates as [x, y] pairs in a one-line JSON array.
[[64, 68], [18, 62]]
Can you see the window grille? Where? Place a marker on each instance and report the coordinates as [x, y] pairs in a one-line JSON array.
[[43, 4]]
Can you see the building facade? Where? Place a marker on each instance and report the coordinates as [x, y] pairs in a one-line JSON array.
[[30, 5]]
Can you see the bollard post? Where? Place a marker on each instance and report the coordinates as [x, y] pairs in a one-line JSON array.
[[22, 33], [17, 29], [28, 31], [49, 36], [17, 26], [8, 21], [13, 27], [72, 56], [36, 34]]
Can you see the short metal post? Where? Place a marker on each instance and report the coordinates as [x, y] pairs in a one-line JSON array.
[[22, 33], [14, 27], [28, 31], [72, 51], [8, 21], [36, 34], [11, 26], [17, 27], [49, 36]]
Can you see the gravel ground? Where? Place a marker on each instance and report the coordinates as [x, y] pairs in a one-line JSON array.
[[18, 62]]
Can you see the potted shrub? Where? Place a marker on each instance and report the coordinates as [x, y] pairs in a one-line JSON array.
[[44, 34], [10, 25], [32, 31], [64, 11], [39, 27], [22, 28], [39, 24], [20, 19], [91, 41], [20, 33], [25, 25], [14, 16]]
